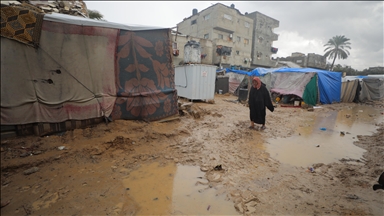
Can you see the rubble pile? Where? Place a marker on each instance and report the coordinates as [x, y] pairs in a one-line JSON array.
[[76, 8]]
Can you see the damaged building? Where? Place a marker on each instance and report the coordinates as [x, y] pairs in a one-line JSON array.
[[233, 35]]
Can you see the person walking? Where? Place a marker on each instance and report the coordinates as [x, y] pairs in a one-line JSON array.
[[259, 99]]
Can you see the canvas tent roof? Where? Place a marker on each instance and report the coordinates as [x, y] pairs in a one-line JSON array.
[[76, 20]]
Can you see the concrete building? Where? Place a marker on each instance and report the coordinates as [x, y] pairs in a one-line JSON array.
[[311, 60], [178, 43], [232, 35], [262, 39]]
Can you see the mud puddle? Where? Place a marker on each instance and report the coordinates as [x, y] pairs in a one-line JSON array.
[[164, 189], [326, 138]]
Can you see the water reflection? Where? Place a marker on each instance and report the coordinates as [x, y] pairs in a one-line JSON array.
[[172, 190], [313, 145]]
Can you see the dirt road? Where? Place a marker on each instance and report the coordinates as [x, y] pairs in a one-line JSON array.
[[139, 168]]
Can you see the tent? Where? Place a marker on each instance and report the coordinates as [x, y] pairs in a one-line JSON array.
[[350, 89], [57, 67], [308, 83], [372, 88]]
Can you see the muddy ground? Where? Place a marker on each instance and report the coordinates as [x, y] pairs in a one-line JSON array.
[[87, 176]]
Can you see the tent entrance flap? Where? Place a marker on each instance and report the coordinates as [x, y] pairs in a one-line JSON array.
[[310, 92]]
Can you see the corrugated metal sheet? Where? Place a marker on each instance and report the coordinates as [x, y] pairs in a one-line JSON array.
[[195, 82]]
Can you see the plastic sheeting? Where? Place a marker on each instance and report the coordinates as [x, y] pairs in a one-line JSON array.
[[329, 83], [291, 83], [310, 95], [76, 20], [234, 81], [70, 76], [372, 88], [348, 90]]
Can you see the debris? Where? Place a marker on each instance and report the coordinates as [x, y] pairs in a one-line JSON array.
[[342, 133], [317, 145], [37, 152], [360, 110], [204, 169], [218, 167], [25, 154], [310, 109], [311, 169], [126, 188], [61, 148], [351, 196], [323, 129], [31, 170], [209, 206], [169, 119], [3, 204], [156, 199], [347, 116]]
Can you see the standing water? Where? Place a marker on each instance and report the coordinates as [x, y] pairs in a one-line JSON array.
[[172, 190], [327, 138]]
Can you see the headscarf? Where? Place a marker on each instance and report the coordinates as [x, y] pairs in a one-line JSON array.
[[258, 82]]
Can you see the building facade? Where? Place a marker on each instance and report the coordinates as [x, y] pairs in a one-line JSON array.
[[262, 39], [311, 60], [178, 43], [232, 35]]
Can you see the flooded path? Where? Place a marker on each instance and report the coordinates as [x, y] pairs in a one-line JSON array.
[[174, 190], [327, 137]]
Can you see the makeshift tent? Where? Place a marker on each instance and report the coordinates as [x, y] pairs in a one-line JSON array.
[[327, 84], [82, 69], [350, 89], [372, 88]]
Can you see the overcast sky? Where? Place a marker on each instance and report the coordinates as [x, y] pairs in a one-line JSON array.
[[304, 26]]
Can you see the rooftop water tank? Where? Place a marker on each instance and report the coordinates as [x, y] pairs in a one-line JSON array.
[[192, 52]]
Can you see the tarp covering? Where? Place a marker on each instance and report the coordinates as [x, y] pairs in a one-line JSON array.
[[348, 90], [76, 20], [85, 69], [329, 83], [291, 83], [310, 95], [70, 76], [372, 88]]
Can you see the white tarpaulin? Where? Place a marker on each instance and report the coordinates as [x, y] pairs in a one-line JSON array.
[[290, 83]]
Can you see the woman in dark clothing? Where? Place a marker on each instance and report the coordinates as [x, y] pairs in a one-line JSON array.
[[259, 99]]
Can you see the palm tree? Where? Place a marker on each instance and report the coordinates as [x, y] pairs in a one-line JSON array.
[[337, 47], [94, 14]]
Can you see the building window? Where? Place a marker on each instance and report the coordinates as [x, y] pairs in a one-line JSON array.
[[237, 52], [238, 39], [226, 16], [206, 17], [246, 24], [220, 36], [193, 22], [206, 36], [246, 41], [174, 45]]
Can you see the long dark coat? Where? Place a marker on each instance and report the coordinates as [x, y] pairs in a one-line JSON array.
[[258, 101]]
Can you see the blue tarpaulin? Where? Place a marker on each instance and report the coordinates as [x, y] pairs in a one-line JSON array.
[[329, 82]]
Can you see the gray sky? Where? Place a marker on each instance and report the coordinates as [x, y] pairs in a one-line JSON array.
[[304, 26]]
